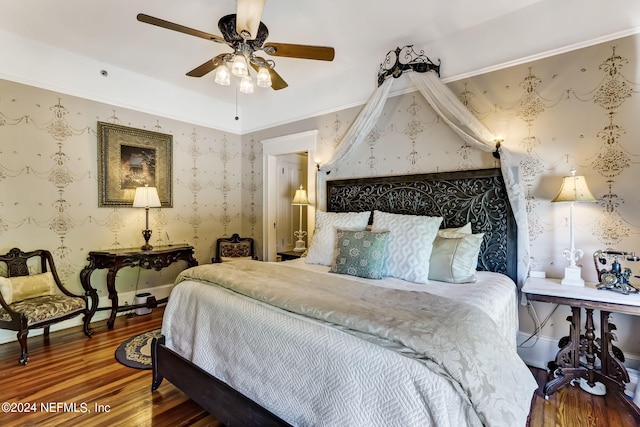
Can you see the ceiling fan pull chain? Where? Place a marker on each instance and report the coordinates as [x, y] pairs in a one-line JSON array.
[[237, 118]]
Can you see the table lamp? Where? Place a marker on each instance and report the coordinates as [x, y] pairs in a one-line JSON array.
[[574, 189], [300, 199], [146, 197]]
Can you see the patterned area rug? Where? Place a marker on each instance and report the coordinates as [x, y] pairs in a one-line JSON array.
[[136, 351]]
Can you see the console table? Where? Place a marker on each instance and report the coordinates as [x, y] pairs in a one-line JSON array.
[[612, 373], [116, 259]]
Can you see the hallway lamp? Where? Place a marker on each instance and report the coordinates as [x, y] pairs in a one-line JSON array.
[[146, 197], [574, 189], [300, 199]]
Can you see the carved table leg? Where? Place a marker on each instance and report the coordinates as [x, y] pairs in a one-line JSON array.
[[590, 351], [613, 373], [113, 295], [90, 292], [568, 357]]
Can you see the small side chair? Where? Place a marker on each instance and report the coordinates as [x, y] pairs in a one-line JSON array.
[[234, 247], [35, 299]]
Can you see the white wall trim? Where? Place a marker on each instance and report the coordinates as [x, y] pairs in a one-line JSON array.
[[271, 148]]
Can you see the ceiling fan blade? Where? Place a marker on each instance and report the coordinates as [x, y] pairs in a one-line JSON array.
[[177, 27], [321, 53], [207, 67], [277, 82], [248, 17]]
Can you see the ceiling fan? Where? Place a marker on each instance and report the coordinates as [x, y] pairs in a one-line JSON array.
[[246, 35]]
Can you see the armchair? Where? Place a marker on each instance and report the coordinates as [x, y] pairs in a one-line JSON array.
[[234, 247], [35, 299]]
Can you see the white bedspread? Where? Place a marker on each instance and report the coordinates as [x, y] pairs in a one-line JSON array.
[[494, 294], [310, 373]]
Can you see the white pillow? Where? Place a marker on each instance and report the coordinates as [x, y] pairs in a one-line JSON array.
[[322, 249], [464, 229], [410, 243], [455, 256]]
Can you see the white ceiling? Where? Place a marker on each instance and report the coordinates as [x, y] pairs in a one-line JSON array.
[[63, 45]]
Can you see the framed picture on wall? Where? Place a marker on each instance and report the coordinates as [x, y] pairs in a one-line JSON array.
[[130, 158]]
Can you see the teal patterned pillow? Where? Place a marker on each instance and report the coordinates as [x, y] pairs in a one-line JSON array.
[[360, 253]]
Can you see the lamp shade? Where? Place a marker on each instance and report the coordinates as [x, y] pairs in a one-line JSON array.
[[264, 78], [239, 66], [574, 189], [223, 75], [246, 85], [146, 197], [300, 198]]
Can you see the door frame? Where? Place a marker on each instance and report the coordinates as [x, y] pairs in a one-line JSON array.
[[271, 148]]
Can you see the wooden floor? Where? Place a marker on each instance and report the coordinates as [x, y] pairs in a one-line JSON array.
[[75, 369], [72, 369]]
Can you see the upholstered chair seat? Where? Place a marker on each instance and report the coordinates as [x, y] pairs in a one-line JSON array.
[[48, 307]]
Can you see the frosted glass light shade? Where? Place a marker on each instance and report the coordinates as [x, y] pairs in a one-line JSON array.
[[223, 75], [246, 85], [239, 67], [264, 78], [146, 197]]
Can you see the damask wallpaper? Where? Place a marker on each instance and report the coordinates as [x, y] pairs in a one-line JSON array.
[[49, 185], [574, 110]]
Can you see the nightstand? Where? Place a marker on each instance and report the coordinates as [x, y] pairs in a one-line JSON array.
[[612, 373], [289, 255]]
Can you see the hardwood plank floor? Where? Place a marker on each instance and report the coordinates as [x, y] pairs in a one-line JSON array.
[[71, 368]]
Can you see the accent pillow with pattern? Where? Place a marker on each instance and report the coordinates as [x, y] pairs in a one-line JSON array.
[[360, 253]]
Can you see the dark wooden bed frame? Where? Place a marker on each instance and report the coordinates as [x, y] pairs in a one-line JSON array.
[[477, 196]]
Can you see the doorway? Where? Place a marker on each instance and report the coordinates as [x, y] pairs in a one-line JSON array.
[[292, 173], [272, 149]]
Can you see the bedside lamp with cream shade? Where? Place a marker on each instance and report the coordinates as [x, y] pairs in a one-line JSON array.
[[146, 197], [574, 189]]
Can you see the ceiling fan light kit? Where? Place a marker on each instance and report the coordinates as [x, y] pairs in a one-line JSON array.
[[245, 34]]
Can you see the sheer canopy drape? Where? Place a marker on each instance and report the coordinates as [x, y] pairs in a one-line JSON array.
[[463, 123]]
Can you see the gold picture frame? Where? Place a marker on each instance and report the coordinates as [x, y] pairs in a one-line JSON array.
[[130, 158]]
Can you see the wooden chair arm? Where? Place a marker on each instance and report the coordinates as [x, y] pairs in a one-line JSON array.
[[15, 316], [50, 266]]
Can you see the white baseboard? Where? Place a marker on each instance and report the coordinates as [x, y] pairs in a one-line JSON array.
[[537, 352], [158, 291]]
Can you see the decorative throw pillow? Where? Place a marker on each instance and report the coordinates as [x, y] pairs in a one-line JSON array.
[[19, 288], [323, 243], [360, 253], [455, 256], [410, 243], [464, 229]]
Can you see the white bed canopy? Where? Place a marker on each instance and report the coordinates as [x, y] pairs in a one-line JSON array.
[[423, 74]]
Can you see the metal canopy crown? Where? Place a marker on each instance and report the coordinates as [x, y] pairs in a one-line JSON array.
[[401, 59]]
